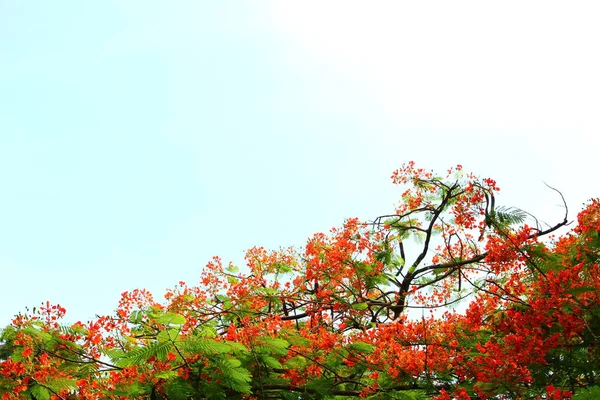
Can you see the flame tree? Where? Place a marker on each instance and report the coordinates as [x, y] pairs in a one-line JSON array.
[[333, 320]]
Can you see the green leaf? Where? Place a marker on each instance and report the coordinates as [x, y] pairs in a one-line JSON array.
[[275, 346], [362, 347], [397, 261], [232, 269], [319, 385], [359, 306], [236, 347], [173, 319], [206, 346], [298, 341], [179, 390], [212, 391], [508, 215], [136, 317], [280, 343], [168, 335], [45, 336], [73, 329], [591, 393], [40, 392], [403, 395], [141, 354], [272, 362], [297, 362], [221, 298], [129, 391], [235, 377], [213, 346], [167, 375], [267, 291], [582, 289], [284, 268], [60, 384], [232, 362]]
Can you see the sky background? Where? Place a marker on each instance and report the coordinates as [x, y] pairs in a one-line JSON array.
[[140, 138]]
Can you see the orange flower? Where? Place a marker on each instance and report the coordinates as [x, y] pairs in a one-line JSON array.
[[27, 352]]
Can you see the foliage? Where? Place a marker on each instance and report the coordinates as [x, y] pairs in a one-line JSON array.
[[332, 321]]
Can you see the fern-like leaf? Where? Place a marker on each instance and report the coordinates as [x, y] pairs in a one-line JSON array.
[[509, 215], [141, 354]]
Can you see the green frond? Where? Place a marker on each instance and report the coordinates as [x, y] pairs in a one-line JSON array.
[[509, 215], [205, 346], [61, 384], [590, 393], [139, 355], [73, 330], [234, 375], [179, 389], [40, 392]]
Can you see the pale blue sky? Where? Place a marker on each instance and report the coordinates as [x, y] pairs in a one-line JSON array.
[[139, 139]]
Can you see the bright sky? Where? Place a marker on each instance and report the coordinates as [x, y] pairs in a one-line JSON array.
[[140, 138]]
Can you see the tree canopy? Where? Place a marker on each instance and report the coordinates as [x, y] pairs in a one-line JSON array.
[[450, 297]]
